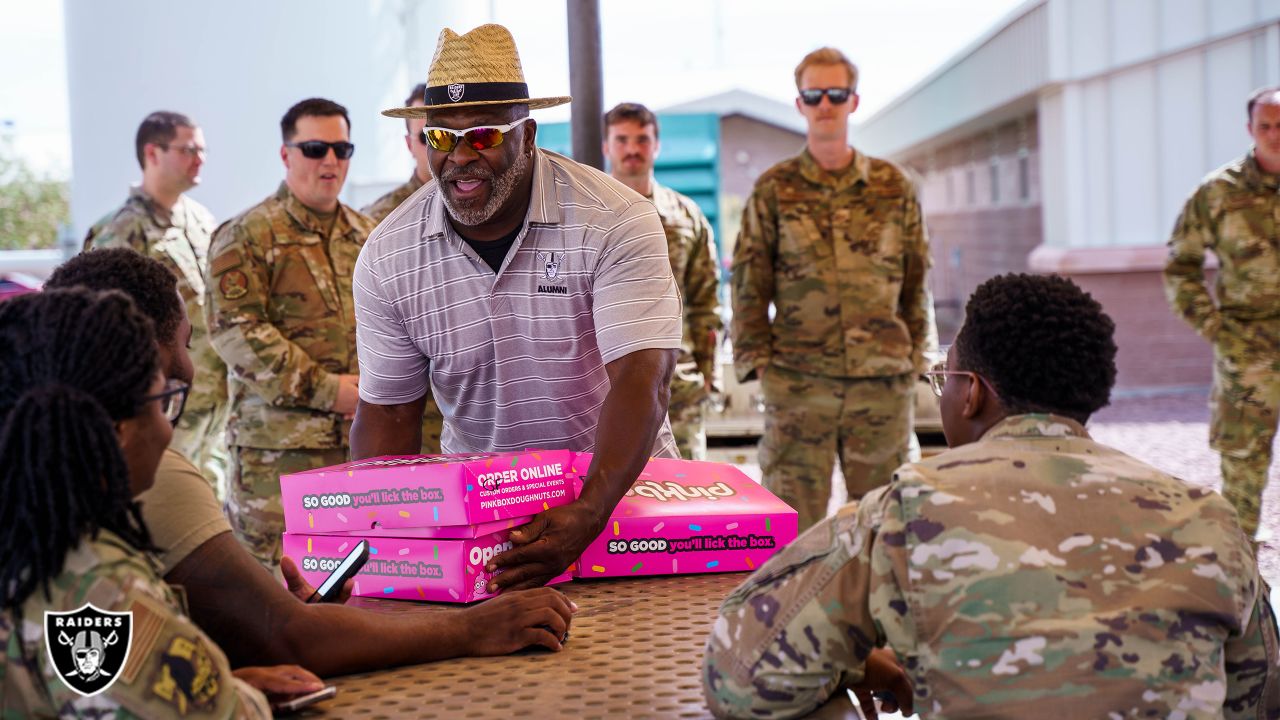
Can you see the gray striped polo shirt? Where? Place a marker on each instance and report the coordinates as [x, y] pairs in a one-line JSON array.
[[516, 360]]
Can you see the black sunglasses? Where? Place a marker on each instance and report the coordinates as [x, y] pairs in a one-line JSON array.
[[317, 149], [814, 96], [173, 400]]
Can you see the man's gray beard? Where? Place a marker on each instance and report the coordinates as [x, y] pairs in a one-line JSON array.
[[500, 191]]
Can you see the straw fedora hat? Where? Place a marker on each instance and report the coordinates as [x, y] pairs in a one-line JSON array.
[[479, 68]]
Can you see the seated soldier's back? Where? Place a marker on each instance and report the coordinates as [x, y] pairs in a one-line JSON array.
[[1039, 573]]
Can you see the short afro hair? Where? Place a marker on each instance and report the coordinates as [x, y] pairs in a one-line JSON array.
[[152, 286], [1044, 344]]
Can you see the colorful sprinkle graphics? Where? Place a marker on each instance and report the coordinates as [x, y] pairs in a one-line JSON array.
[[389, 589], [637, 566], [435, 514], [422, 594], [404, 551], [372, 513], [403, 513], [311, 520], [537, 456], [768, 524], [489, 462], [545, 506], [680, 475], [373, 550], [731, 526], [435, 552], [659, 526], [515, 461], [712, 564], [616, 530], [696, 528], [453, 593], [308, 546], [597, 568], [343, 546], [749, 563], [675, 565], [351, 473], [470, 487]]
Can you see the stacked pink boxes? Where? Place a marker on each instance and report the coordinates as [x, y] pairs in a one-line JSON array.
[[432, 522], [687, 517]]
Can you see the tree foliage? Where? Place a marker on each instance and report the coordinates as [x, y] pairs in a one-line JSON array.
[[32, 208]]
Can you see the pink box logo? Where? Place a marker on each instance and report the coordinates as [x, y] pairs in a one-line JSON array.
[[425, 491], [682, 516], [437, 569]]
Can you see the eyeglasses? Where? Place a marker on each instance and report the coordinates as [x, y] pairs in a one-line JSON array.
[[937, 377], [188, 150], [318, 149], [835, 95], [481, 137], [172, 401]]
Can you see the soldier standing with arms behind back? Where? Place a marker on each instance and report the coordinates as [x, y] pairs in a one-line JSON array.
[[280, 313], [378, 210], [834, 239], [159, 220], [1235, 213], [631, 144]]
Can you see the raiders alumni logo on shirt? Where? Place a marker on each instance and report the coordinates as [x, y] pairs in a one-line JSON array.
[[456, 90], [551, 282], [88, 647]]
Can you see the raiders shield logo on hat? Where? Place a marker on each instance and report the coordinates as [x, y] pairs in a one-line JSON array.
[[88, 647], [456, 90]]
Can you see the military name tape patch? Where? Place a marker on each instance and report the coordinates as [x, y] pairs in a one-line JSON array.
[[88, 647], [234, 285]]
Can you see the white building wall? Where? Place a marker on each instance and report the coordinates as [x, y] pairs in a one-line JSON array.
[[235, 66], [1146, 97]]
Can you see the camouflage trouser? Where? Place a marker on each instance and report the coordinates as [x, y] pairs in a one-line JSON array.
[[201, 437], [809, 419], [253, 494], [1245, 404], [688, 399], [432, 424]]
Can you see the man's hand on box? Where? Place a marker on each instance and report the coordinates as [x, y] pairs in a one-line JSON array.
[[517, 620], [545, 546], [302, 589]]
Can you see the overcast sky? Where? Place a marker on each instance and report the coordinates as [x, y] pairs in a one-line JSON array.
[[659, 52]]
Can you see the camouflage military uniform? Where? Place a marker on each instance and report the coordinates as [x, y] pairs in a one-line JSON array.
[[1235, 214], [1034, 573], [842, 256], [180, 240], [172, 669], [280, 314], [378, 210], [693, 261]]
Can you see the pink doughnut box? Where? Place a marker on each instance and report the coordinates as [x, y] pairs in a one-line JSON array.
[[682, 516], [443, 564], [425, 491]]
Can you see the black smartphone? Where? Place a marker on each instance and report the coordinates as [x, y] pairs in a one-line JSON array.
[[347, 569], [294, 703]]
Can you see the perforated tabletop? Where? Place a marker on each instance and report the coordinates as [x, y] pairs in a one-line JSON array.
[[634, 651]]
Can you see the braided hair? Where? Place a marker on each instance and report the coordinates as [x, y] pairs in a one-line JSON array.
[[76, 362]]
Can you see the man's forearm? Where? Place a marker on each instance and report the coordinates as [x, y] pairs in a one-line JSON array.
[[630, 419], [387, 429]]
